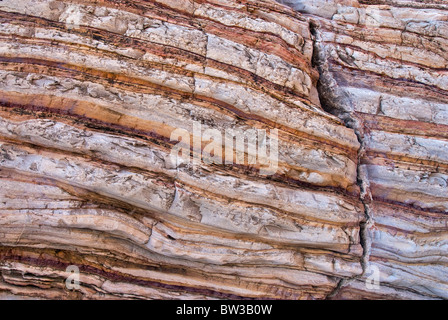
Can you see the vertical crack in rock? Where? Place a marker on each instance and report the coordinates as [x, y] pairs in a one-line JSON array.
[[332, 103]]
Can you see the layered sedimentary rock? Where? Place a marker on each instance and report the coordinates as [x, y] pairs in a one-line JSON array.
[[92, 91], [383, 68]]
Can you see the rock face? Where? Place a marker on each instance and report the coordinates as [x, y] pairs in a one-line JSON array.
[[92, 91], [384, 71]]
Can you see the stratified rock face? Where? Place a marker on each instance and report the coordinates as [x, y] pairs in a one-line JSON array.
[[384, 70], [91, 93]]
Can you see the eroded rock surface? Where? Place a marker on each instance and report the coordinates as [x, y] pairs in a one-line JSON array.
[[383, 68], [91, 91]]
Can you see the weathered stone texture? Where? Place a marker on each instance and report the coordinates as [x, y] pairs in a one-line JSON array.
[[90, 92], [383, 68]]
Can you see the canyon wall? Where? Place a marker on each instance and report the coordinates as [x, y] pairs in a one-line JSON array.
[[92, 91], [384, 71]]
